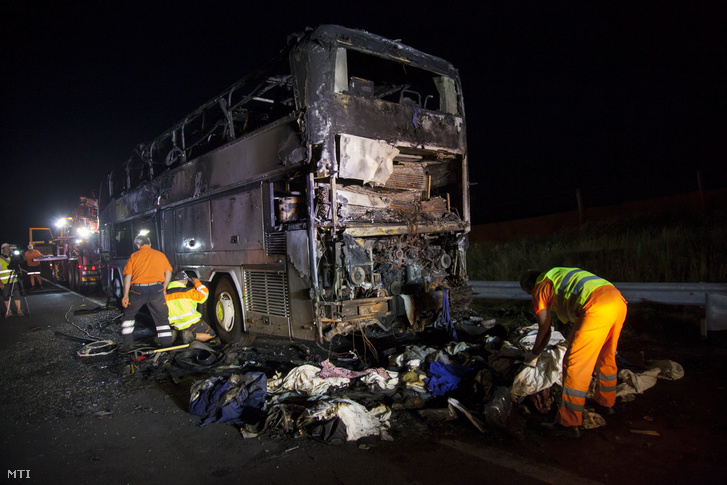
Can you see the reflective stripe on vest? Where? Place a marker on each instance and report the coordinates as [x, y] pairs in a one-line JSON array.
[[7, 275], [572, 288], [182, 311]]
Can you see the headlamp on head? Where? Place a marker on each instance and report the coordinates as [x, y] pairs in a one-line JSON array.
[[181, 276]]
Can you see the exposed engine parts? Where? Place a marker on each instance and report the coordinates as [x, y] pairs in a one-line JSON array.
[[408, 273]]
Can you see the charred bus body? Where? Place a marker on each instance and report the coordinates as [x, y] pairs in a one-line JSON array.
[[324, 194]]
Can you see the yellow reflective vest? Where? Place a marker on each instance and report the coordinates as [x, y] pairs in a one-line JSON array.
[[182, 303], [7, 275], [572, 288]]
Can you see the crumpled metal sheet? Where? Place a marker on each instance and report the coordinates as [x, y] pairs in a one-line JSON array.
[[364, 159]]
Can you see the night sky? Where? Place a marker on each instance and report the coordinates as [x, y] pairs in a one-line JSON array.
[[623, 102]]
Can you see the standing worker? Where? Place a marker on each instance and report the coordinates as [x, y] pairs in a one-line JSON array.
[[182, 303], [597, 311], [146, 276], [33, 266], [9, 282]]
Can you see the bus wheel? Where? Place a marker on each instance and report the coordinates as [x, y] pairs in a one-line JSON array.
[[226, 311], [117, 290]]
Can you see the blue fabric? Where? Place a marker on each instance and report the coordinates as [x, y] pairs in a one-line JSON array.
[[444, 378], [209, 397], [245, 407], [446, 318]]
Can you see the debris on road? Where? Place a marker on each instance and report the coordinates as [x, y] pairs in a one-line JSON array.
[[283, 388]]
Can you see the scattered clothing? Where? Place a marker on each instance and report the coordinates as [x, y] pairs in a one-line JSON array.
[[330, 370], [238, 399], [547, 371], [444, 378], [636, 383]]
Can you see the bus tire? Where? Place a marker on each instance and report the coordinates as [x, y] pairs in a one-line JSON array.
[[117, 290], [226, 311]]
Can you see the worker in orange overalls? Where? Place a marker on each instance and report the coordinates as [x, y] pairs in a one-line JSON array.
[[597, 311], [33, 266], [146, 276]]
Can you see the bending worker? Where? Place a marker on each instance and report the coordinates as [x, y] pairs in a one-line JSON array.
[[146, 276], [597, 311], [182, 303]]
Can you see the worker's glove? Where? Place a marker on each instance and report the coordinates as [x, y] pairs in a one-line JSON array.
[[530, 359]]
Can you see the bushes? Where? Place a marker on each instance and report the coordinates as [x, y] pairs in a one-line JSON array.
[[637, 250]]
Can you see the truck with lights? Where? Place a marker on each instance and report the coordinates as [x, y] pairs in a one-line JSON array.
[[72, 254], [324, 194]]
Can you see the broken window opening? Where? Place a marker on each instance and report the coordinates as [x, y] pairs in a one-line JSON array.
[[362, 74], [249, 105]]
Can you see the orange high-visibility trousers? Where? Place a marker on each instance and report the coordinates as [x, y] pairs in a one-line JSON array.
[[592, 344]]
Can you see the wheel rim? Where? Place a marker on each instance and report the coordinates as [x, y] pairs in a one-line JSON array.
[[225, 311], [118, 289]]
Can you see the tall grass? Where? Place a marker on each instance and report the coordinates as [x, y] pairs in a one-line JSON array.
[[637, 250]]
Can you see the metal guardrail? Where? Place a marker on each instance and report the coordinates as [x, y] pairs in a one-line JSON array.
[[711, 296]]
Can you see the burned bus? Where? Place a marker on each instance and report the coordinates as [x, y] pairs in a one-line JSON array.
[[323, 194]]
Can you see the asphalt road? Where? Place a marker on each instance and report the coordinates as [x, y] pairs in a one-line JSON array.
[[67, 419]]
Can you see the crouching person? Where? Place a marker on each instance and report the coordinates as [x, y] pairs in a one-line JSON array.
[[182, 303]]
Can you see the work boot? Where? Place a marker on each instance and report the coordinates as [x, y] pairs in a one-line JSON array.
[[556, 429], [165, 342], [125, 349], [604, 410], [188, 336], [127, 346]]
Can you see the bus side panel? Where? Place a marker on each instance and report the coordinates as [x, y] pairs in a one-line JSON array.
[[302, 323], [226, 231], [167, 232], [192, 229], [237, 224]]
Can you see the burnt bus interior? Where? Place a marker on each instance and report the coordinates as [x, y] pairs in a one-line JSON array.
[[250, 104], [378, 235], [392, 229], [376, 77]]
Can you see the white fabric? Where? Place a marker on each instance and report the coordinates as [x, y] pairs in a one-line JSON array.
[[304, 379], [359, 421], [376, 381], [528, 340], [633, 383], [548, 370], [454, 348], [669, 369], [413, 352]]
